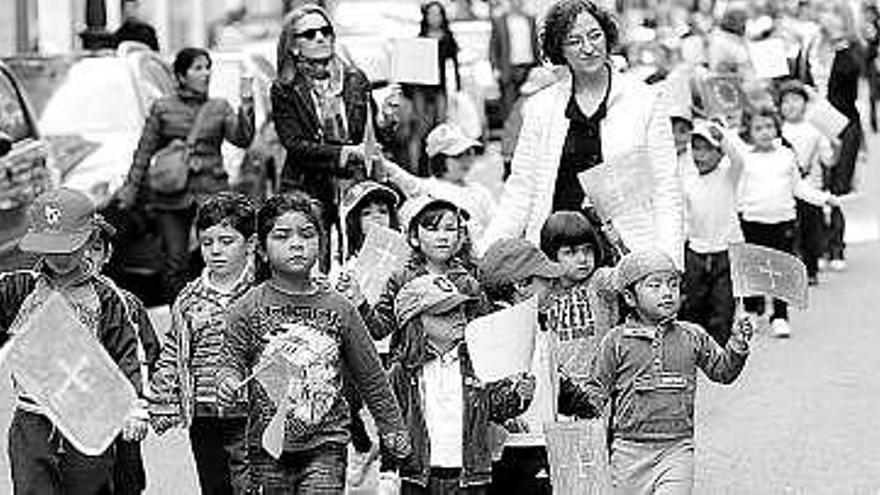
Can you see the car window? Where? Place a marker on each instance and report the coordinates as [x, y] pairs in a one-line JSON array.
[[13, 119]]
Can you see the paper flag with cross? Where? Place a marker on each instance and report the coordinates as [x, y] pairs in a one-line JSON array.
[[61, 363], [384, 251], [722, 96], [620, 186], [578, 456], [758, 270], [297, 371]]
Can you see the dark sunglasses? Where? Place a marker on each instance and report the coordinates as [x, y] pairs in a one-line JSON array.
[[310, 34]]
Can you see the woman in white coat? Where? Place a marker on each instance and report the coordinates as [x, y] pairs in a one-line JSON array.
[[592, 116]]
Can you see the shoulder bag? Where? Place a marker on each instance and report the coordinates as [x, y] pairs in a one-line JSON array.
[[169, 167]]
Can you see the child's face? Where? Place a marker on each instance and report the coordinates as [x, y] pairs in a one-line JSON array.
[[578, 261], [706, 157], [457, 167], [98, 252], [440, 243], [656, 297], [444, 330], [293, 244], [763, 132], [224, 249], [681, 133], [531, 287], [374, 213], [66, 263], [792, 107]]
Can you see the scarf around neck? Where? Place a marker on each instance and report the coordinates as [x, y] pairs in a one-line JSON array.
[[326, 81]]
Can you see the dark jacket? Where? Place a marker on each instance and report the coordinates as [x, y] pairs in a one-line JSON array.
[[137, 30], [172, 117], [312, 164], [843, 82]]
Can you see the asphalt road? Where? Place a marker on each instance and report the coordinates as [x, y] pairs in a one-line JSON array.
[[800, 420]]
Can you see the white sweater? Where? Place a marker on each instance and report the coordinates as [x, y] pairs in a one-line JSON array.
[[770, 182], [710, 208], [636, 119], [812, 148]]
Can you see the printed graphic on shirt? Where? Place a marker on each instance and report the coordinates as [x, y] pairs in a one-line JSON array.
[[570, 317], [298, 370]]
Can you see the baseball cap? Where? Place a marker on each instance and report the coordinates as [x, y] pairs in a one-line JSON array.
[[703, 129], [414, 206], [60, 221], [637, 265], [356, 193], [431, 294], [449, 140], [509, 260]]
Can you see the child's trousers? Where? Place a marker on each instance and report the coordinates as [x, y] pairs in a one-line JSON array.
[[779, 236], [708, 293], [443, 481], [218, 448], [320, 470], [45, 463], [658, 468]]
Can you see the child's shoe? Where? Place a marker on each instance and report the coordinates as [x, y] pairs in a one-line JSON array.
[[823, 264], [780, 328], [838, 265]]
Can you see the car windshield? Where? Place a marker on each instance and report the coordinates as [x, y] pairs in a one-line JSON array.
[[13, 120], [99, 95]]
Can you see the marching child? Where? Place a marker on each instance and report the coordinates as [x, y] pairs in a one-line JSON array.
[[299, 324], [647, 367], [365, 204], [129, 476], [62, 222], [711, 225], [513, 271], [185, 386], [451, 157], [814, 154], [770, 183]]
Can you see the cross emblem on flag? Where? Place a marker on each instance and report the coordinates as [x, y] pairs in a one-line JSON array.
[[56, 359], [757, 270]]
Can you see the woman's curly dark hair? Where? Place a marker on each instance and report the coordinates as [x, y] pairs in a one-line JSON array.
[[560, 18]]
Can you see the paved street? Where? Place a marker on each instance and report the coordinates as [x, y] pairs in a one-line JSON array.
[[800, 420]]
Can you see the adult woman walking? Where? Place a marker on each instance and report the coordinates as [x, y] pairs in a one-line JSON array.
[[593, 115], [203, 124], [319, 106], [832, 63]]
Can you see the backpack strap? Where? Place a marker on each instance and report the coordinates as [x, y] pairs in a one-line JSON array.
[[198, 123]]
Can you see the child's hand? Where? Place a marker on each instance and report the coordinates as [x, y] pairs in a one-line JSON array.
[[227, 392], [135, 424], [743, 329], [163, 423], [389, 483], [524, 385], [833, 201], [348, 286]]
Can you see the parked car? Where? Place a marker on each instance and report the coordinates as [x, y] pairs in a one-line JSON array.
[[25, 164]]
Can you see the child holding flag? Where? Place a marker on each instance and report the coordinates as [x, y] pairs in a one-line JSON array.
[[647, 368], [62, 223], [184, 386], [297, 337]]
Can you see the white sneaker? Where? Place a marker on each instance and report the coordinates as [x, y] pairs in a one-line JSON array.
[[780, 328], [838, 265], [823, 264]]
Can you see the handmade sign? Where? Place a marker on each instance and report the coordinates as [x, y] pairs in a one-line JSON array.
[[826, 118], [618, 187], [758, 270], [769, 58], [722, 97], [59, 361], [384, 251], [578, 456], [501, 344], [414, 61]]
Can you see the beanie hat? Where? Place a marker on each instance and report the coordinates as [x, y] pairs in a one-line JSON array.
[[639, 264]]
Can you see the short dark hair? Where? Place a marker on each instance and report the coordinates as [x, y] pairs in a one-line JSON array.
[[675, 119], [761, 111], [561, 17], [792, 86], [292, 201], [228, 208], [186, 57], [437, 165], [567, 228]]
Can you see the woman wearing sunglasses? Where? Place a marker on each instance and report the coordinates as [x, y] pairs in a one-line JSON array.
[[319, 106]]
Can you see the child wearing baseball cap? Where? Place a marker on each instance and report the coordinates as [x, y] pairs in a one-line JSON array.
[[451, 156], [647, 368], [62, 223], [513, 271], [448, 409]]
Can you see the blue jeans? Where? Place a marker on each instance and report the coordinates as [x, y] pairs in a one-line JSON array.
[[320, 471], [219, 453], [45, 463]]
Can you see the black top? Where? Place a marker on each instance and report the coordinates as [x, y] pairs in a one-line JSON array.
[[582, 150]]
